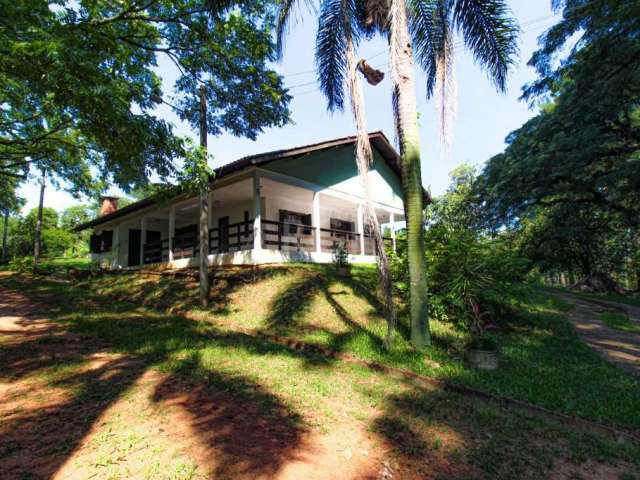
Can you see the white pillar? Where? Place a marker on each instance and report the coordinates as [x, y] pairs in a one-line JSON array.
[[392, 221], [143, 238], [115, 247], [172, 229], [257, 214], [210, 211], [315, 220], [360, 228]]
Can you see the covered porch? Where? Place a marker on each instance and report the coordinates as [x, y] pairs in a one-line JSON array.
[[260, 217]]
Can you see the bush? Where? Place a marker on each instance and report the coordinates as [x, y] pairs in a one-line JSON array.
[[471, 276], [21, 264]]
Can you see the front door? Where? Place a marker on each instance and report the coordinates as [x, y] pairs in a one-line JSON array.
[[223, 234], [135, 236]]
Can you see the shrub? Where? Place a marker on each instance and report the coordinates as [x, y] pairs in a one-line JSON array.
[[471, 276]]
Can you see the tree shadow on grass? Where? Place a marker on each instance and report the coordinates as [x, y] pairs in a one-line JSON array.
[[36, 442], [171, 292], [293, 302], [247, 429], [243, 430]]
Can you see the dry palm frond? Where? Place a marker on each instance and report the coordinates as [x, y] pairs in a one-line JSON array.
[[399, 42], [376, 14], [364, 157], [446, 95]]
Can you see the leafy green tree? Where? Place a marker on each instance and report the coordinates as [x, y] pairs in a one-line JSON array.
[[70, 218], [79, 85], [569, 179], [471, 274], [583, 147], [419, 30], [579, 239], [24, 236]]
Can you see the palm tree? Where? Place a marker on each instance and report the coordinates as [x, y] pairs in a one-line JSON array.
[[419, 30]]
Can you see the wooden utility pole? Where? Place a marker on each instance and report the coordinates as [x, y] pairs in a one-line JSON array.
[[204, 210], [38, 232]]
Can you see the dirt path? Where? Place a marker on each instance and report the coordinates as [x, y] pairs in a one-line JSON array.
[[618, 347]]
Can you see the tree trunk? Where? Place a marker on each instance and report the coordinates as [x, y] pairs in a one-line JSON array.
[[204, 212], [406, 119], [38, 232], [364, 157], [5, 232]]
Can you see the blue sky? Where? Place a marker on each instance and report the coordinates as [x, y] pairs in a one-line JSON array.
[[483, 120]]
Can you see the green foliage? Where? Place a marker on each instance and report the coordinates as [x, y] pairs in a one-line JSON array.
[[470, 274], [196, 174], [80, 84], [620, 321], [58, 237], [569, 179], [21, 264], [487, 27], [340, 254]]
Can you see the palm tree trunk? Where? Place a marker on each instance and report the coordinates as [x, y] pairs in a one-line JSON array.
[[406, 118], [38, 233], [364, 157]]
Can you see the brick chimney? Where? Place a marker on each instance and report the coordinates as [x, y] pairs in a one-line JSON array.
[[108, 205]]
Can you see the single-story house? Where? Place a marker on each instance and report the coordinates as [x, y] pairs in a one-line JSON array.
[[289, 205]]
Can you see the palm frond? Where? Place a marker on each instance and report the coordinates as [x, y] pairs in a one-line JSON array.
[[429, 22], [335, 29], [446, 95], [283, 20], [490, 32]]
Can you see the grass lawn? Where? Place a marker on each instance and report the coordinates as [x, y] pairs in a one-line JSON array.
[[252, 408], [81, 263], [620, 321], [632, 299], [62, 263], [543, 360]]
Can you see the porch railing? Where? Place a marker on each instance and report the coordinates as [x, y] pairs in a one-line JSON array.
[[288, 236], [330, 238], [186, 245], [156, 252], [231, 238], [275, 235]]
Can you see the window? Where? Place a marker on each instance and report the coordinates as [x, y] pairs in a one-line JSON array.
[[101, 243], [344, 225], [292, 220]]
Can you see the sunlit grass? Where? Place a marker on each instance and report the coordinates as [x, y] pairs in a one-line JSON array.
[[620, 321], [542, 359], [321, 394]]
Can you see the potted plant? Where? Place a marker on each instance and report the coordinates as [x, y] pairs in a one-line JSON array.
[[482, 350], [341, 259]]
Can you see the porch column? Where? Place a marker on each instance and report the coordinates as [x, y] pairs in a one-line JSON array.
[[392, 221], [143, 238], [115, 247], [360, 228], [257, 214], [315, 219], [172, 229], [210, 211]]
